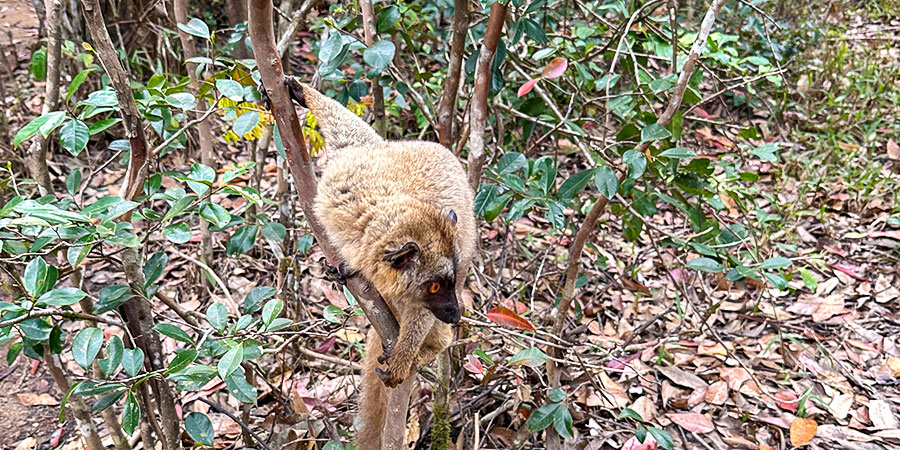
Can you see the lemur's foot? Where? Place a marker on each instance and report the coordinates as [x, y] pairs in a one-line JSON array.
[[296, 90], [338, 274], [385, 353]]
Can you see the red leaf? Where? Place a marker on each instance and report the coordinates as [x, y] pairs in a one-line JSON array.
[[849, 271], [473, 365], [786, 400], [556, 68], [327, 345], [506, 317], [56, 437], [527, 87], [698, 423]]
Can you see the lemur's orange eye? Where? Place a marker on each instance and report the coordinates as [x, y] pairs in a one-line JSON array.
[[434, 288]]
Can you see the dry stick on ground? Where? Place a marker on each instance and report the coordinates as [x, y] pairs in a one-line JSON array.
[[374, 307], [567, 293], [447, 110], [37, 152], [204, 135], [368, 16], [478, 115], [137, 312]]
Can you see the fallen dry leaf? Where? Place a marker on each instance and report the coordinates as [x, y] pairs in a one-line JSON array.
[[786, 400], [894, 364], [694, 422], [802, 431], [682, 377], [881, 415], [26, 444], [717, 394], [31, 399], [893, 150]]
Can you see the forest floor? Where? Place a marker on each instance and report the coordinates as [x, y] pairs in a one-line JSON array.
[[828, 345]]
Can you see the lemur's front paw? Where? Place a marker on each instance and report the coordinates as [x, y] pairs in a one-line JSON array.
[[389, 377], [385, 353], [337, 274]]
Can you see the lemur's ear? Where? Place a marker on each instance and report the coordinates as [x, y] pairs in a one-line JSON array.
[[403, 256], [452, 216]]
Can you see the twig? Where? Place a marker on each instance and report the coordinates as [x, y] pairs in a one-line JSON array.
[[231, 303], [447, 109], [217, 408], [54, 312]]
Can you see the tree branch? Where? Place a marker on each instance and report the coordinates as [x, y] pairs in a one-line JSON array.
[[447, 109], [368, 16], [478, 115]]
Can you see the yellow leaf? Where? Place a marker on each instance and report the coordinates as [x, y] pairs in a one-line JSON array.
[[802, 431]]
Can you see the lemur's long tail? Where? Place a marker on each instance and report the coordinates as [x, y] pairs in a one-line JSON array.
[[340, 127]]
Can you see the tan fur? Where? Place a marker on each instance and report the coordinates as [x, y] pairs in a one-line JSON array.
[[375, 196]]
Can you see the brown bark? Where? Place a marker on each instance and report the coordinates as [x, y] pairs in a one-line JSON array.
[[204, 135], [37, 152], [368, 15], [446, 119], [131, 119], [478, 115], [300, 164], [137, 311]]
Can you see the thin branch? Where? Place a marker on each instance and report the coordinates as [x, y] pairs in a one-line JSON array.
[[447, 109], [368, 16], [478, 115]]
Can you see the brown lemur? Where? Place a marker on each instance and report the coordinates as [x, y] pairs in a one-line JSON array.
[[401, 213]]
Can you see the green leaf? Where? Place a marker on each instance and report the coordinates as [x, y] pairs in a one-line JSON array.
[[240, 388], [245, 123], [662, 437], [179, 206], [230, 361], [195, 27], [201, 178], [278, 324], [231, 89], [38, 66], [13, 353], [89, 388], [103, 125], [131, 414], [557, 395], [331, 53], [271, 310], [65, 399], [132, 361], [74, 136], [630, 414], [199, 428], [809, 280], [532, 357], [114, 350], [777, 280], [777, 262], [331, 313], [35, 274], [542, 417], [274, 231], [242, 240], [654, 132], [379, 55], [510, 163], [62, 296], [86, 345], [636, 162], [257, 296], [182, 100], [73, 182], [111, 297], [606, 182], [182, 359], [679, 153], [76, 82], [766, 152], [104, 98], [37, 329], [574, 184], [215, 214], [154, 267], [173, 332], [107, 400], [217, 316], [705, 265], [178, 233], [562, 422], [388, 17]]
